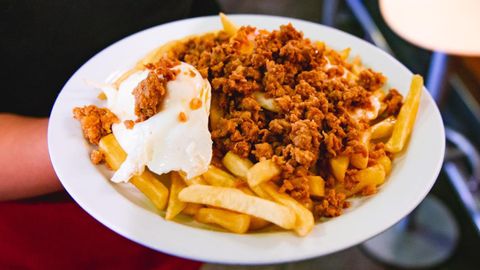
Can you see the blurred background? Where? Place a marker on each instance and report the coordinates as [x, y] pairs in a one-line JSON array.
[[450, 237]]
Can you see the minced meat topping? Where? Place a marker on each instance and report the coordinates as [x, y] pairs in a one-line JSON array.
[[96, 122], [314, 90], [302, 120], [150, 92]]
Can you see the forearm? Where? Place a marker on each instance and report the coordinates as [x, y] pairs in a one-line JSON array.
[[25, 168]]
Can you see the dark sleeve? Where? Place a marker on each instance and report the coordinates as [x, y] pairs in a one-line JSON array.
[[44, 42]]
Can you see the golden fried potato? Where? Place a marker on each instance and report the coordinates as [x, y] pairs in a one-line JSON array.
[[360, 159], [261, 172], [406, 117], [339, 166], [317, 185], [235, 200], [152, 188], [197, 180], [175, 206], [255, 222], [386, 163], [216, 113], [228, 26], [191, 209], [234, 222], [304, 221], [371, 176], [383, 128], [147, 183], [218, 177], [236, 165]]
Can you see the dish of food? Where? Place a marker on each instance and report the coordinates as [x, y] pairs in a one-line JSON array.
[[250, 130]]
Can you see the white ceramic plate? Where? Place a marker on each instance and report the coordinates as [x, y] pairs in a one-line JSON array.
[[127, 212]]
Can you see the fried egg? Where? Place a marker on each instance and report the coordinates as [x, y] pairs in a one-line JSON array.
[[176, 138]]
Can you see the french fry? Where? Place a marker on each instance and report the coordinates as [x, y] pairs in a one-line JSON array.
[[345, 53], [102, 96], [228, 26], [316, 185], [383, 128], [234, 222], [152, 188], [360, 159], [339, 166], [258, 223], [235, 200], [255, 222], [261, 172], [357, 66], [246, 190], [197, 180], [261, 193], [386, 164], [320, 45], [165, 179], [304, 218], [218, 177], [266, 103], [236, 165], [406, 117], [371, 176], [216, 113], [113, 152], [147, 183], [222, 197], [191, 209], [175, 206]]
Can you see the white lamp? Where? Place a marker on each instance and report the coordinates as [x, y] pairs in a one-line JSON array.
[[449, 26], [428, 236]]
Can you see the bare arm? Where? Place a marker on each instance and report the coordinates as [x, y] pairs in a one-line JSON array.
[[25, 168]]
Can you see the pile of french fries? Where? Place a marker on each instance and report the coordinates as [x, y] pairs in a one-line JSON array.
[[242, 197], [240, 200], [245, 199]]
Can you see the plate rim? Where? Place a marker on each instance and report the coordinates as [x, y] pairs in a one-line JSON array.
[[115, 228]]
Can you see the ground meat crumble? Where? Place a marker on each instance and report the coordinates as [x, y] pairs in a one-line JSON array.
[[96, 122], [394, 101], [314, 96], [97, 157], [150, 92], [313, 89]]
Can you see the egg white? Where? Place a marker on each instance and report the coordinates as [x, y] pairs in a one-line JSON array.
[[163, 143]]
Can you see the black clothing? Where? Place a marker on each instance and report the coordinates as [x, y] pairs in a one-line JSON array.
[[43, 42]]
